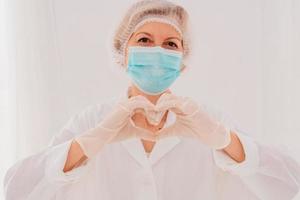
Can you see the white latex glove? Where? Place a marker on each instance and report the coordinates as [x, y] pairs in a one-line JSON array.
[[117, 126], [191, 121]]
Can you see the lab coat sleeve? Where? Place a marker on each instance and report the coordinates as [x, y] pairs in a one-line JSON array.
[[248, 166], [268, 171], [41, 175]]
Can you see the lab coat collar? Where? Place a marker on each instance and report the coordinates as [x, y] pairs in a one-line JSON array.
[[136, 149]]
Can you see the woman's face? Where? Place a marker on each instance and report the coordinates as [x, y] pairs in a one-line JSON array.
[[156, 34]]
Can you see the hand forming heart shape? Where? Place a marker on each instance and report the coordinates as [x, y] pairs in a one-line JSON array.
[[192, 120], [155, 112]]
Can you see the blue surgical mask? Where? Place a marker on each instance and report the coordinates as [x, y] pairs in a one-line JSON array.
[[153, 69]]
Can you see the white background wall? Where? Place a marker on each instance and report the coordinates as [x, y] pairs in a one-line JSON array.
[[245, 60]]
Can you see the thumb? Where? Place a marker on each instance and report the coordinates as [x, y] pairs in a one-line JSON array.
[[173, 105]]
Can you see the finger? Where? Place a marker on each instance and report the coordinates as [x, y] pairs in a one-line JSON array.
[[142, 132], [167, 105], [165, 97], [166, 132], [140, 102]]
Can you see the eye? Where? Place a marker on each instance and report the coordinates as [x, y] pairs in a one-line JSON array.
[[143, 40], [172, 44]]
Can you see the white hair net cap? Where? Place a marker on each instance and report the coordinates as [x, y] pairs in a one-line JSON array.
[[145, 11]]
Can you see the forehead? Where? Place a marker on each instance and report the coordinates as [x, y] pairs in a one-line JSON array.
[[158, 28]]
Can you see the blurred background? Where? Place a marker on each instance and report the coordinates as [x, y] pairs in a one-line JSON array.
[[56, 60]]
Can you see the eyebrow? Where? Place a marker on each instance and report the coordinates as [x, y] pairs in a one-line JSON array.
[[143, 33], [151, 36], [177, 38]]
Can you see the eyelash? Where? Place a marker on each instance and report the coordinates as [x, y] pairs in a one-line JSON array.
[[140, 40], [170, 43]]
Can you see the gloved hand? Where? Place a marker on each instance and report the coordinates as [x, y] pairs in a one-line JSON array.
[[116, 126], [191, 121]]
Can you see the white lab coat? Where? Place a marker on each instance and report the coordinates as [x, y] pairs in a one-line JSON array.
[[177, 169]]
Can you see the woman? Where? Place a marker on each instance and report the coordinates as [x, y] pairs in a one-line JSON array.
[[151, 143]]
